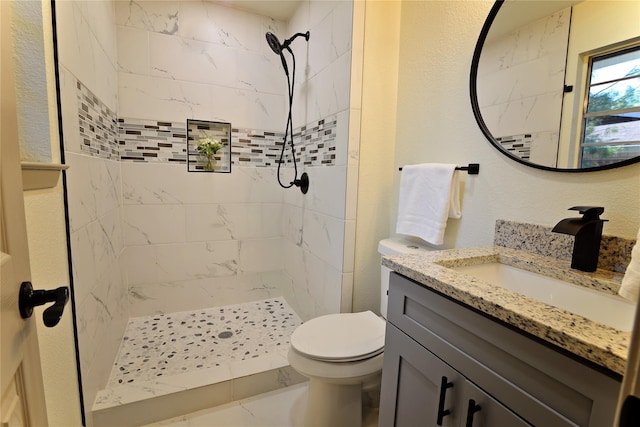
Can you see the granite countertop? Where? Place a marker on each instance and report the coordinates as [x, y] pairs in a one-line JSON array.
[[595, 342]]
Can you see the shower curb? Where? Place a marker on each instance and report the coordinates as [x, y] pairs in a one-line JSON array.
[[157, 406]]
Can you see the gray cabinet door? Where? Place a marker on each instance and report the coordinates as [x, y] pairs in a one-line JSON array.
[[481, 410], [412, 385], [419, 389]]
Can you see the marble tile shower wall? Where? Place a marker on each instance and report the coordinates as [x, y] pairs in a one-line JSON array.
[[533, 53], [87, 53], [97, 245], [229, 238], [195, 224], [205, 61], [220, 239], [199, 60], [207, 245]]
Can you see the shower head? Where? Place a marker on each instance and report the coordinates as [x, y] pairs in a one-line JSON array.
[[276, 47], [274, 43]]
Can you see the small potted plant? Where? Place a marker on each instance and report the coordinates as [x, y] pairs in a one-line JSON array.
[[209, 147]]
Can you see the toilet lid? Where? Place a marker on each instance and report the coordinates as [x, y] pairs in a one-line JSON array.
[[340, 337]]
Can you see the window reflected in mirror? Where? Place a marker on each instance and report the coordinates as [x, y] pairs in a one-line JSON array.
[[611, 130]]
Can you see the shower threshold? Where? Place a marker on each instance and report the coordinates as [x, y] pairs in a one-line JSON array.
[[176, 363]]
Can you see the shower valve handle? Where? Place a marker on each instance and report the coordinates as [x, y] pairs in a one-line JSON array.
[[303, 183], [29, 298]]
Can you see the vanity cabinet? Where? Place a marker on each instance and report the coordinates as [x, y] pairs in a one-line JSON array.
[[448, 365]]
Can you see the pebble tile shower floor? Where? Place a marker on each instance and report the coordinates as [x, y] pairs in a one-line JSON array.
[[171, 344]]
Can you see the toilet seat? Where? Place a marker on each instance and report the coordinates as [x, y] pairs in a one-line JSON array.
[[344, 337]]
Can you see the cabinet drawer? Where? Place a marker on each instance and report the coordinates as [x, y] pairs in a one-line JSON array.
[[540, 384]]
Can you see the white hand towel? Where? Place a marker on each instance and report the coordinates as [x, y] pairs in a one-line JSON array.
[[429, 194], [630, 288]]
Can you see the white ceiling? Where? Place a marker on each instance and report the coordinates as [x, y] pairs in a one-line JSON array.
[[278, 9]]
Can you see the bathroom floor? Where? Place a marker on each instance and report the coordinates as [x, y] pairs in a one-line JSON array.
[[279, 408], [175, 343]]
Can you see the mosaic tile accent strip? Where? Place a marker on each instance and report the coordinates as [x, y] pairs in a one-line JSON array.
[[150, 140], [317, 142], [157, 141], [615, 252], [175, 343], [97, 125], [255, 148], [518, 145]]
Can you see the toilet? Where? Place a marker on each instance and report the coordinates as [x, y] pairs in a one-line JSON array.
[[342, 354]]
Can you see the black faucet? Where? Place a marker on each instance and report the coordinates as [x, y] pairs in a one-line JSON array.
[[588, 233]]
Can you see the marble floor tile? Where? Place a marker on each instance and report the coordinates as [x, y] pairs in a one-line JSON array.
[[279, 408]]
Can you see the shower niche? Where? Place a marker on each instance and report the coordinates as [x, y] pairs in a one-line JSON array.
[[208, 146]]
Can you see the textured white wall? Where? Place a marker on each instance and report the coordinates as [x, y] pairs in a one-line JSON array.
[[436, 124], [31, 81], [377, 142]]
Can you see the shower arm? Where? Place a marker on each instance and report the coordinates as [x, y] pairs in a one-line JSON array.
[[288, 41]]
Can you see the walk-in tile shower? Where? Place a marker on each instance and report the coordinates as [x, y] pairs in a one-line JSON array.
[[152, 242]]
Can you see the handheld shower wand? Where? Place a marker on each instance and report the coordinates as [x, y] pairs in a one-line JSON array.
[[277, 47]]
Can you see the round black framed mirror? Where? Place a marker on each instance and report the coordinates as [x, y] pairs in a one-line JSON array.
[[554, 89]]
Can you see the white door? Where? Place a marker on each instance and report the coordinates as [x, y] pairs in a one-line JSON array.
[[20, 372]]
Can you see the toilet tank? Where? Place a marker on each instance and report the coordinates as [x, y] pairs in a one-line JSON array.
[[395, 246]]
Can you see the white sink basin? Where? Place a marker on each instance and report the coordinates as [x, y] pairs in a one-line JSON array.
[[611, 310]]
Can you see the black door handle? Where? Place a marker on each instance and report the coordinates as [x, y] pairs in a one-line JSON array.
[[29, 298], [472, 409], [444, 385]]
